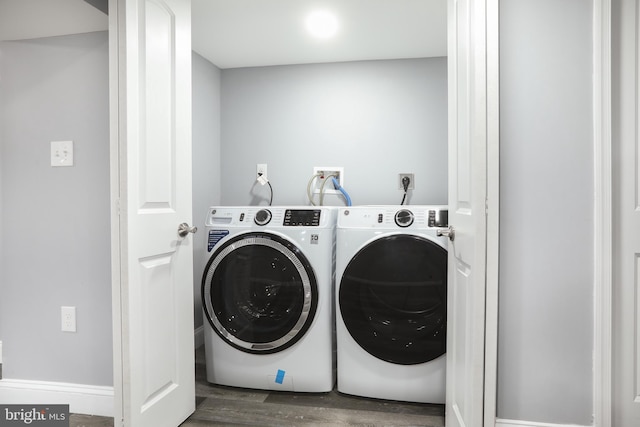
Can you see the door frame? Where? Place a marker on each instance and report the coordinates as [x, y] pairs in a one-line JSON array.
[[117, 182], [603, 210], [492, 212]]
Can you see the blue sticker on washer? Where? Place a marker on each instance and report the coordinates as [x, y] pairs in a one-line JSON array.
[[214, 237], [280, 376]]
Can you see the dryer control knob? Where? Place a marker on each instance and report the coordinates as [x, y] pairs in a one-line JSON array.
[[263, 216], [404, 218]]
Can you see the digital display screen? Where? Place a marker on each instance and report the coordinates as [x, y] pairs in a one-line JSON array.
[[302, 217]]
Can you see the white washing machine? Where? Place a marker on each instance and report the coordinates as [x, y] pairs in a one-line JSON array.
[[267, 293], [391, 302]]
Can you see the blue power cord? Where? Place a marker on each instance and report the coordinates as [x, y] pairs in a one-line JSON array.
[[338, 187]]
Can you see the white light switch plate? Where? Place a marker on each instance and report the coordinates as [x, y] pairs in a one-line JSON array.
[[61, 153]]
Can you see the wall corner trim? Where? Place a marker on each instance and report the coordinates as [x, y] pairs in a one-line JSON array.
[[519, 423], [81, 398], [603, 214]]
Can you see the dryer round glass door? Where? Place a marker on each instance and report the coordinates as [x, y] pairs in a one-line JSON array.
[[259, 293], [393, 299]]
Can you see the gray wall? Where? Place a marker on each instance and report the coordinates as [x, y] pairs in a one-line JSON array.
[[546, 214], [206, 160], [374, 118], [55, 221], [58, 254]]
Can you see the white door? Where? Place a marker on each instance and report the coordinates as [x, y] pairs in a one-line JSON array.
[[626, 216], [150, 69], [467, 212]]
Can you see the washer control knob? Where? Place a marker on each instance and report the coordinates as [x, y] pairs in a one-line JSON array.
[[404, 218], [263, 216]]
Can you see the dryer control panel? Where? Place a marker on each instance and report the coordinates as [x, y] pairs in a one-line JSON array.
[[438, 218], [393, 217]]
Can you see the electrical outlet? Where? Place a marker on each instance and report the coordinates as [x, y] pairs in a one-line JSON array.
[[325, 171], [412, 181], [261, 170], [68, 316], [61, 153]]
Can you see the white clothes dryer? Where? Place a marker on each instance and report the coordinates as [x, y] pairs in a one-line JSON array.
[[267, 293], [391, 299]]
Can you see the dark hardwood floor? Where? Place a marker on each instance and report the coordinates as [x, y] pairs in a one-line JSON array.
[[229, 406]]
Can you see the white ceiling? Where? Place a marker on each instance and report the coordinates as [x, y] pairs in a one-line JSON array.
[[29, 19], [242, 33], [249, 33]]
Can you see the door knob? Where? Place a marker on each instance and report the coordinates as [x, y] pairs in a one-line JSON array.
[[447, 232], [184, 229]]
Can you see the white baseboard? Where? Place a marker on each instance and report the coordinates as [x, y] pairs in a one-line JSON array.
[[199, 336], [82, 399], [518, 423]]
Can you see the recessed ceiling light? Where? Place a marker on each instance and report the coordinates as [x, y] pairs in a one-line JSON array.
[[322, 24]]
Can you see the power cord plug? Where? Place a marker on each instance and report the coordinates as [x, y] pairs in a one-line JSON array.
[[405, 183], [264, 181]]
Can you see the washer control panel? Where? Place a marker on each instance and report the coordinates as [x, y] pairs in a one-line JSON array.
[[301, 218], [224, 217]]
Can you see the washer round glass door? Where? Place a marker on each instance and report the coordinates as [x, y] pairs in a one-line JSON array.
[[259, 293], [393, 299]]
